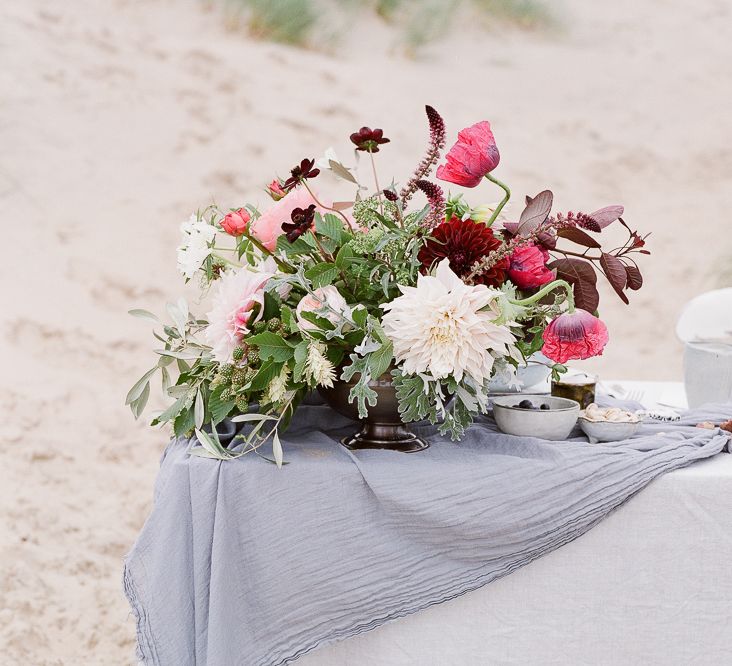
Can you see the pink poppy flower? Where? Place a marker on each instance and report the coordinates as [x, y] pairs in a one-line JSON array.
[[528, 267], [473, 156], [574, 335], [235, 222]]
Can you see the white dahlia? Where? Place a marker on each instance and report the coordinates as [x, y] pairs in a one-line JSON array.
[[237, 292], [444, 327]]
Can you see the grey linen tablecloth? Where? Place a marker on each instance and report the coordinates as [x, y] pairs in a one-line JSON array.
[[241, 563]]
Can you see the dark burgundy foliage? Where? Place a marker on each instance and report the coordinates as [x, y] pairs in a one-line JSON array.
[[578, 236], [368, 139], [581, 275], [301, 172], [635, 279], [302, 220], [536, 212]]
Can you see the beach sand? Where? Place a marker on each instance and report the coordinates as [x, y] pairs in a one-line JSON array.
[[118, 119]]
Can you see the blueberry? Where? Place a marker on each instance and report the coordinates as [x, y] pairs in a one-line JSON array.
[[526, 404], [544, 406]]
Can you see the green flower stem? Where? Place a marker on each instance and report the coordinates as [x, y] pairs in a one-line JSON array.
[[556, 284], [504, 201], [283, 266], [376, 182]]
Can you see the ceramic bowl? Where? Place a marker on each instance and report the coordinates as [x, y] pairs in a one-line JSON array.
[[608, 431], [554, 423]]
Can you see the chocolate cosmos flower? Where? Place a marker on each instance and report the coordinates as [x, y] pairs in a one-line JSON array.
[[302, 220], [301, 172], [368, 139]]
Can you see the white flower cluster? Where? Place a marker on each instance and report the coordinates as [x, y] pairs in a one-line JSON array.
[[197, 235]]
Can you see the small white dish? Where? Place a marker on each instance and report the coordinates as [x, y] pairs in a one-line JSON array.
[[608, 431], [554, 423]]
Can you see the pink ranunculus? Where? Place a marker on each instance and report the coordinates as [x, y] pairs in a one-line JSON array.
[[235, 222], [574, 335], [323, 296], [473, 156], [528, 267], [268, 228]]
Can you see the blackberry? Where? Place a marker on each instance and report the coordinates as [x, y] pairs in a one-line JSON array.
[[227, 370], [227, 394], [242, 404], [239, 353], [260, 327], [239, 377], [274, 324], [250, 373], [253, 356]]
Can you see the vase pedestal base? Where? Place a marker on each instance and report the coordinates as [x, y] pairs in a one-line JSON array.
[[392, 437]]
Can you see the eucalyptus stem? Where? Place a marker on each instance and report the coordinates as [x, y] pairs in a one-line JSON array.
[[504, 201], [547, 288]]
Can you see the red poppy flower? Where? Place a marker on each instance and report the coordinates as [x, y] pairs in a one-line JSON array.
[[473, 156], [528, 267], [574, 335], [464, 242]]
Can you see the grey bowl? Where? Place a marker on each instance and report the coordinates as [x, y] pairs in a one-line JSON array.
[[608, 431], [554, 423]]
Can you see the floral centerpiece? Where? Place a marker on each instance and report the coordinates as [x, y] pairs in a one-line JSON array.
[[404, 284]]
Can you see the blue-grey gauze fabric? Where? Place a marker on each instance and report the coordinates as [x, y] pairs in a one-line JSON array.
[[242, 563]]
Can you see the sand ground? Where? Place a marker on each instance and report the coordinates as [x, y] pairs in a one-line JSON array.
[[117, 119]]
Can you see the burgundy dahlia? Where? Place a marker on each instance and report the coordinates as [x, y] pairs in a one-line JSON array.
[[301, 172], [368, 139], [464, 242], [302, 220]]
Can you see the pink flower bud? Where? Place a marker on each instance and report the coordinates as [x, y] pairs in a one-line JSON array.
[[528, 267], [235, 223], [574, 335]]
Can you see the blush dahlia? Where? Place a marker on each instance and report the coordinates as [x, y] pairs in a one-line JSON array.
[[463, 242]]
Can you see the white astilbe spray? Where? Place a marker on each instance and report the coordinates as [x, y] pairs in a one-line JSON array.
[[445, 327], [277, 389], [318, 369]]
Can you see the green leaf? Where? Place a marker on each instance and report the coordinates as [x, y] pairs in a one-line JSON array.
[[380, 360], [143, 314], [322, 274], [359, 314], [362, 393], [277, 449], [272, 346], [339, 170], [173, 411], [293, 249], [218, 408], [136, 391], [320, 322], [184, 422], [268, 371], [331, 227], [301, 353], [271, 305], [288, 319], [345, 256], [138, 405], [199, 411], [253, 416], [211, 445]]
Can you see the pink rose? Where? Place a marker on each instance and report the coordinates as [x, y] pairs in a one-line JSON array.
[[235, 223], [528, 267], [268, 228], [473, 156], [574, 335], [322, 297]]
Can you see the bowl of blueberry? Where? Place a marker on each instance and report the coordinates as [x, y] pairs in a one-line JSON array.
[[542, 416]]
